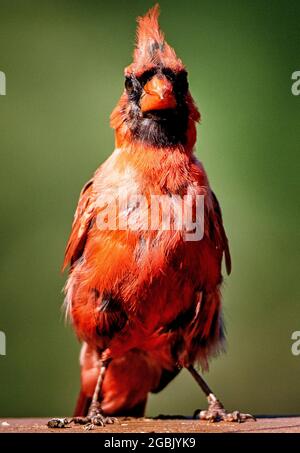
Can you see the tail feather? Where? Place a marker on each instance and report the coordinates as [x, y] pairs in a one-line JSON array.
[[84, 402], [82, 405]]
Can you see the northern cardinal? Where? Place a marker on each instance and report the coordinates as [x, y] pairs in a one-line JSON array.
[[146, 302]]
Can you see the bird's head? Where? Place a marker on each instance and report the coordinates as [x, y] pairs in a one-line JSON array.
[[156, 107]]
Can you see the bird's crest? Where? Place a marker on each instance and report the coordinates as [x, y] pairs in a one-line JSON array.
[[151, 48]]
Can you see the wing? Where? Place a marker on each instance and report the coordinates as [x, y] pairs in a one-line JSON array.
[[82, 222], [217, 232], [110, 316]]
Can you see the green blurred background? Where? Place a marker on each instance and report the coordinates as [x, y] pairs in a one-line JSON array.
[[64, 65]]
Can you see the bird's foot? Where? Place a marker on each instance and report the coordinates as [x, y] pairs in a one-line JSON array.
[[91, 422], [94, 418], [217, 413]]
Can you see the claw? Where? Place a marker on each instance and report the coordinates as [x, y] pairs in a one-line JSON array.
[[98, 420], [89, 427], [111, 420]]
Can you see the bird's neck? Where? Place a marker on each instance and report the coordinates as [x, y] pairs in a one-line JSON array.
[[125, 140]]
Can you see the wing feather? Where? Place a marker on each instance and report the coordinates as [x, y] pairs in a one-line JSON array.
[[82, 222], [218, 232]]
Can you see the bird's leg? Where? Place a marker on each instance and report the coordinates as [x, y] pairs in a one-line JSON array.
[[215, 411], [95, 416]]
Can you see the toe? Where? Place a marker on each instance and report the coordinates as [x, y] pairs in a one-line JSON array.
[[245, 417], [111, 420], [210, 416], [98, 420], [203, 415], [89, 427], [81, 420], [238, 417], [232, 417]]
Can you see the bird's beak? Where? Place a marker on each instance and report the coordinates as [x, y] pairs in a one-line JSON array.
[[158, 95]]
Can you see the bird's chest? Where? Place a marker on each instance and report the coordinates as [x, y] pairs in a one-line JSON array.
[[170, 256], [155, 247], [170, 274]]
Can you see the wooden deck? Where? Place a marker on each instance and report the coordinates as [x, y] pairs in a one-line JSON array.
[[147, 425]]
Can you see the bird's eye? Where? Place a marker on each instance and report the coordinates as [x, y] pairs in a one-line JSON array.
[[169, 74], [128, 84], [146, 76], [181, 84]]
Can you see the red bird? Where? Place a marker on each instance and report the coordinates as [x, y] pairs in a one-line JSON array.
[[146, 302]]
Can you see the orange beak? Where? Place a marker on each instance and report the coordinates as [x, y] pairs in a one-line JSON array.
[[158, 95]]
